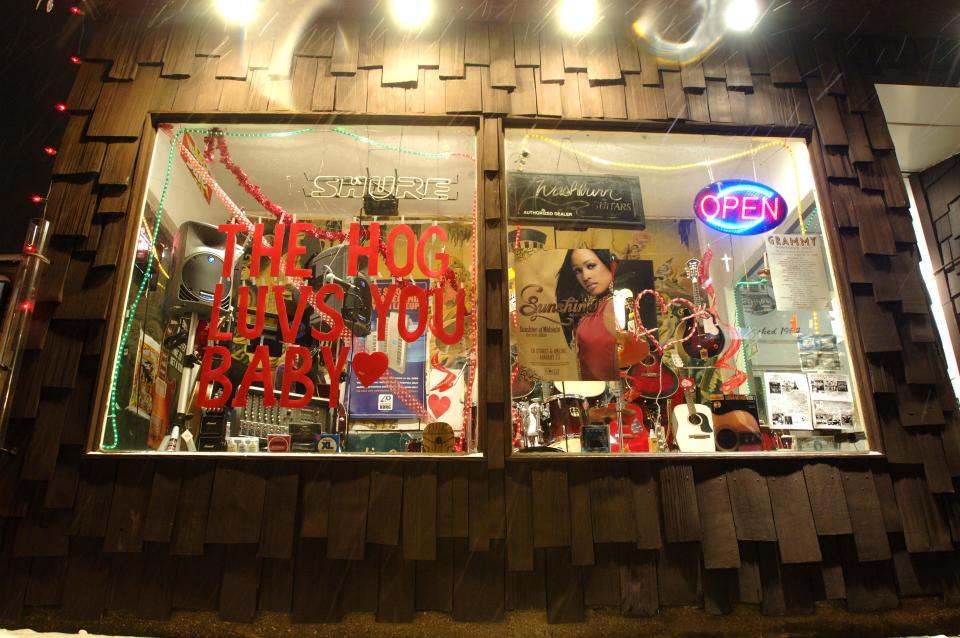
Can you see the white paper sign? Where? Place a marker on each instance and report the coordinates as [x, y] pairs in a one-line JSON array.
[[788, 400], [797, 272], [832, 401]]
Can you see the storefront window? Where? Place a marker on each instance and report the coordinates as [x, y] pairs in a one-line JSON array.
[[672, 293], [301, 289]]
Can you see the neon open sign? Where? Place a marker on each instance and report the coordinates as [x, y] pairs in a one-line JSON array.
[[740, 207]]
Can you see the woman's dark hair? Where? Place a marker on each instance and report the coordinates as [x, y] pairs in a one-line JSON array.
[[569, 288]]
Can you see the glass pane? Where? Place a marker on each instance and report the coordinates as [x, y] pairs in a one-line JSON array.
[[672, 293], [302, 290]]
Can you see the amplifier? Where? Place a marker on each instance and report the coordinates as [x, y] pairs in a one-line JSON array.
[[260, 420]]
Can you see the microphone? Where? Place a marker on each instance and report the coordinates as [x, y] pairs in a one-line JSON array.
[[330, 278]]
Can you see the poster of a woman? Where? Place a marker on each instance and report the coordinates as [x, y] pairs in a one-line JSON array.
[[567, 326], [588, 274]]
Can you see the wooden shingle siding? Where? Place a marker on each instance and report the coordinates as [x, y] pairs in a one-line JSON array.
[[476, 538]]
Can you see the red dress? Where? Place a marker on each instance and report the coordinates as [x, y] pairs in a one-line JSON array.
[[596, 347]]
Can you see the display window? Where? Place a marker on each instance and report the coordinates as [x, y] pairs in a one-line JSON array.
[[673, 293], [300, 290]]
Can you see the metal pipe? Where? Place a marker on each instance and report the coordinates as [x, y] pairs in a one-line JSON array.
[[17, 317]]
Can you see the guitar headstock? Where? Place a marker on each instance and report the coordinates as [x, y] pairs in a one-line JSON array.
[[692, 270]]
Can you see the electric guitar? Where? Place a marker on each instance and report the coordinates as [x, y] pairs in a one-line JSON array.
[[693, 423], [707, 340]]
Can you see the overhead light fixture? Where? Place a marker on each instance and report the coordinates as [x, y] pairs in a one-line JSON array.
[[411, 14], [577, 16], [741, 15], [237, 12]]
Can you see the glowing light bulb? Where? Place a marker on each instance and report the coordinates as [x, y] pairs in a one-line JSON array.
[[577, 16], [237, 12], [60, 106], [74, 59], [26, 306], [75, 10], [741, 15], [36, 199], [49, 150], [411, 14]]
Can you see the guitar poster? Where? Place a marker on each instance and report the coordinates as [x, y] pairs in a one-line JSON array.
[[788, 400], [797, 272]]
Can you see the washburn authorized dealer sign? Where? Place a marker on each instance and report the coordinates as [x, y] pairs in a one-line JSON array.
[[576, 200]]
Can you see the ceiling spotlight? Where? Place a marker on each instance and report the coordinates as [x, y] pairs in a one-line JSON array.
[[411, 14], [741, 15], [237, 12], [577, 16]]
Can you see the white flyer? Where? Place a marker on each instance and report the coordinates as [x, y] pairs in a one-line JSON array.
[[832, 401], [797, 272], [788, 400]]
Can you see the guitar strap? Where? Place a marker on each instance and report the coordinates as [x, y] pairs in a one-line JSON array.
[[736, 340]]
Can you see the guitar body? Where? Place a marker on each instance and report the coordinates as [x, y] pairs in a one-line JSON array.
[[652, 379], [693, 430], [707, 341]]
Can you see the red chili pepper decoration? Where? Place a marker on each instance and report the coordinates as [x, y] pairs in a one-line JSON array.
[[449, 378]]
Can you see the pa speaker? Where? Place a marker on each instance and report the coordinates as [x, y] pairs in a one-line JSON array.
[[198, 253]]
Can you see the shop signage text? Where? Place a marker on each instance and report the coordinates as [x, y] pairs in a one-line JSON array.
[[380, 187], [575, 200], [740, 207]]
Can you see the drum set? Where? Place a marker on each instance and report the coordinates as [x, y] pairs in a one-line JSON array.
[[576, 416]]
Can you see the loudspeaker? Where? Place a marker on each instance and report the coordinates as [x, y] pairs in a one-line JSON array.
[[330, 266], [198, 253]]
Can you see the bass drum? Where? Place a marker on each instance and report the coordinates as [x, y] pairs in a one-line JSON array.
[[585, 389], [568, 415]]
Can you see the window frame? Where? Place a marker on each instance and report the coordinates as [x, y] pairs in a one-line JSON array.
[[490, 158], [844, 290], [139, 190]]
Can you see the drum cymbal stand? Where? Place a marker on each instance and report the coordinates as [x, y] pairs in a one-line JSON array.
[[618, 393]]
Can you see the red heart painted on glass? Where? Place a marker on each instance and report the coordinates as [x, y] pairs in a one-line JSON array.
[[438, 404], [369, 366]]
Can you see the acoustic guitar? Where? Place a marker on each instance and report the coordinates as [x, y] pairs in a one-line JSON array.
[[693, 422], [651, 378], [631, 349]]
